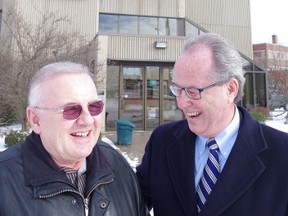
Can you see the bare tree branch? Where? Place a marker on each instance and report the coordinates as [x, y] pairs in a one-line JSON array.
[[27, 47]]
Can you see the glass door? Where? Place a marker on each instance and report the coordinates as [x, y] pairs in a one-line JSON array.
[[144, 97], [132, 96], [171, 112], [152, 97]]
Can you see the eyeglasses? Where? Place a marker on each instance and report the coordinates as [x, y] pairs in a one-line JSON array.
[[192, 92], [72, 112]]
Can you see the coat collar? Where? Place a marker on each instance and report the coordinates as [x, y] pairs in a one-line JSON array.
[[241, 170], [40, 169]]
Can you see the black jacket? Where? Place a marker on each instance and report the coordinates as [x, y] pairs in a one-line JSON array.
[[31, 184]]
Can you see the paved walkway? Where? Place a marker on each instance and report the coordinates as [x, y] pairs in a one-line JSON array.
[[135, 150]]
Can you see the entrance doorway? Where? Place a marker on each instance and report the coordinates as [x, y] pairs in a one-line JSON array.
[[143, 96]]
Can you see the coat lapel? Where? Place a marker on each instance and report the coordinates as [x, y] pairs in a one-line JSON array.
[[181, 162]]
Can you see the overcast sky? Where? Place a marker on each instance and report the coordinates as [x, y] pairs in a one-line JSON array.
[[269, 17]]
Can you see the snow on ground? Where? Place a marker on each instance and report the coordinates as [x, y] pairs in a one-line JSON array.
[[133, 162], [278, 120]]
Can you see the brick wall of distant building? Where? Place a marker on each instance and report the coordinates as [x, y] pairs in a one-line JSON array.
[[271, 56], [280, 79]]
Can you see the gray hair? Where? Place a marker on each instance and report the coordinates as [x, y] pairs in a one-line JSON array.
[[49, 71], [227, 60]]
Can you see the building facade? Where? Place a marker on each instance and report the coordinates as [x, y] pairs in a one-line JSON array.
[[273, 57], [137, 43]]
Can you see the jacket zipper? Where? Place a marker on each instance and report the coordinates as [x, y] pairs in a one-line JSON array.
[[85, 200], [59, 192]]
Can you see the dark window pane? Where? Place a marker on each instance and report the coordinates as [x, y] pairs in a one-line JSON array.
[[128, 25], [260, 89], [148, 25], [248, 99], [108, 23], [180, 27]]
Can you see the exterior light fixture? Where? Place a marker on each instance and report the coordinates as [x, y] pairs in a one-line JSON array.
[[160, 45]]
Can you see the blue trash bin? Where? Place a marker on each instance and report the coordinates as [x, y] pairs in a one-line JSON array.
[[124, 132]]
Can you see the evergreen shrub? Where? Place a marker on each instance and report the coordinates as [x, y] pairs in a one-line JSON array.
[[14, 137]]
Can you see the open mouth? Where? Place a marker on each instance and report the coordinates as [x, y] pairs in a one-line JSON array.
[[193, 114], [80, 134]]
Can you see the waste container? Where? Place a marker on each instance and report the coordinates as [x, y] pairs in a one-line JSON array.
[[124, 132]]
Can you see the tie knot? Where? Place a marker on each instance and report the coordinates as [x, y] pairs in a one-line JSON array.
[[70, 173], [68, 170], [212, 144]]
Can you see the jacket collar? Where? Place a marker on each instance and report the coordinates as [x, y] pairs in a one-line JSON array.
[[40, 169]]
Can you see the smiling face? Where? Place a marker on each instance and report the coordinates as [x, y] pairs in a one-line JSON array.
[[68, 142], [209, 115]]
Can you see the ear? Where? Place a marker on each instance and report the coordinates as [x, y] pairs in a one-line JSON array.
[[33, 119], [232, 89]]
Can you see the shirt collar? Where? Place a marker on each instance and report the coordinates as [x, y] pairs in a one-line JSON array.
[[82, 168], [225, 139]]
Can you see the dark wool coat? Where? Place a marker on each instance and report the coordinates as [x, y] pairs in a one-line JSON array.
[[253, 182]]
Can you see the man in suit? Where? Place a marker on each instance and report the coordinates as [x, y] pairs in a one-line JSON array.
[[250, 158]]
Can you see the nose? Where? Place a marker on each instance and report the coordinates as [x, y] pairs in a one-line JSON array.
[[85, 117], [183, 100]]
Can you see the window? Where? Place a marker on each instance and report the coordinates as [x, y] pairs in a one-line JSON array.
[[167, 26], [143, 25], [148, 25], [128, 24], [108, 23], [260, 89], [133, 82], [248, 99]]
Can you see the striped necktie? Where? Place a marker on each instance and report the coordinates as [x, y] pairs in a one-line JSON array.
[[210, 175], [79, 182]]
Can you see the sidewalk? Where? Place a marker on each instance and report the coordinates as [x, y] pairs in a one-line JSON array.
[[135, 150]]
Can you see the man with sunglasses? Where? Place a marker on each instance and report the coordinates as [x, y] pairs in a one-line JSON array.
[[62, 168], [219, 160]]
